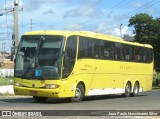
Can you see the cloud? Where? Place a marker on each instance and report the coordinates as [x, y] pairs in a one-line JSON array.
[[84, 11], [113, 29], [9, 4], [75, 27], [49, 1], [48, 12], [87, 8], [151, 11], [34, 5], [148, 11], [138, 5], [44, 1], [90, 2], [29, 7]]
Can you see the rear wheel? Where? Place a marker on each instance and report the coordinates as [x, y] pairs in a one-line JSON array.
[[135, 89], [127, 90], [79, 94], [40, 99]]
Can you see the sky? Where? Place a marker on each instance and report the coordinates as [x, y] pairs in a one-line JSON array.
[[103, 16]]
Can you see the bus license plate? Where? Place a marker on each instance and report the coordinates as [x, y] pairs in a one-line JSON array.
[[33, 92]]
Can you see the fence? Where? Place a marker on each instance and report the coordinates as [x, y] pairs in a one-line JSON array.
[[6, 72]]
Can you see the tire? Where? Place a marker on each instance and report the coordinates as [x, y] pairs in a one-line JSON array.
[[40, 99], [135, 89], [127, 90], [79, 94]]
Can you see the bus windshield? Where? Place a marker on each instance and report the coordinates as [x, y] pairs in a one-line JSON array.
[[39, 57]]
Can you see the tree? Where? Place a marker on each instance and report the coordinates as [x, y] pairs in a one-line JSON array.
[[147, 30]]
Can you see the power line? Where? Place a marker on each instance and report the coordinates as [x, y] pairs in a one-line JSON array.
[[139, 9], [147, 5], [119, 5], [124, 16], [5, 33], [114, 7], [22, 15], [6, 22]]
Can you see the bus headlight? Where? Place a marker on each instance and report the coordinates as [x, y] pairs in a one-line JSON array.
[[52, 86], [18, 84]]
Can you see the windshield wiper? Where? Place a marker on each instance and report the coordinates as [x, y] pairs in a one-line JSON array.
[[37, 52]]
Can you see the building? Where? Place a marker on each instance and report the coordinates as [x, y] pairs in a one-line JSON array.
[[5, 61], [128, 38]]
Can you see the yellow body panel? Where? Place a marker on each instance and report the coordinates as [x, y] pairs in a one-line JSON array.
[[93, 73], [114, 74]]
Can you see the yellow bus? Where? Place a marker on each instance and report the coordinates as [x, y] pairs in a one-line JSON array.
[[75, 64]]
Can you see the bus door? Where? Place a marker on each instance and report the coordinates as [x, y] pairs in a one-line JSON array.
[[68, 65]]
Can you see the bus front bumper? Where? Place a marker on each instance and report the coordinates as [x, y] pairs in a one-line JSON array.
[[55, 93]]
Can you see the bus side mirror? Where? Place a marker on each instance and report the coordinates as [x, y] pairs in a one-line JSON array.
[[12, 56], [66, 58], [66, 63]]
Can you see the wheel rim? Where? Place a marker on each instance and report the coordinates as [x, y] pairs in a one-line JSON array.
[[78, 93], [127, 88], [135, 89]]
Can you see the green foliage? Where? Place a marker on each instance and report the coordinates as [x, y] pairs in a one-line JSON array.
[[147, 30], [156, 80], [6, 81]]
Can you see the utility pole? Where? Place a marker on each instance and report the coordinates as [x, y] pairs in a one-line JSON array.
[[121, 30], [31, 24], [15, 12], [2, 46], [3, 50]]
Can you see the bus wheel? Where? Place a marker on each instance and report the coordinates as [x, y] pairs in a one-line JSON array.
[[135, 89], [127, 90], [40, 99], [79, 94]]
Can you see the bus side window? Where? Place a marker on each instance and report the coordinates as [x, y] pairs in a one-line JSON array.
[[128, 52], [144, 55], [69, 56], [137, 56], [96, 51], [108, 52], [118, 51]]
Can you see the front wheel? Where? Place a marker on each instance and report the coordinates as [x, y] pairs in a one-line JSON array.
[[79, 94], [40, 99]]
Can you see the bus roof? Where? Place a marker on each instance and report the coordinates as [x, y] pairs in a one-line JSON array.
[[86, 34]]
